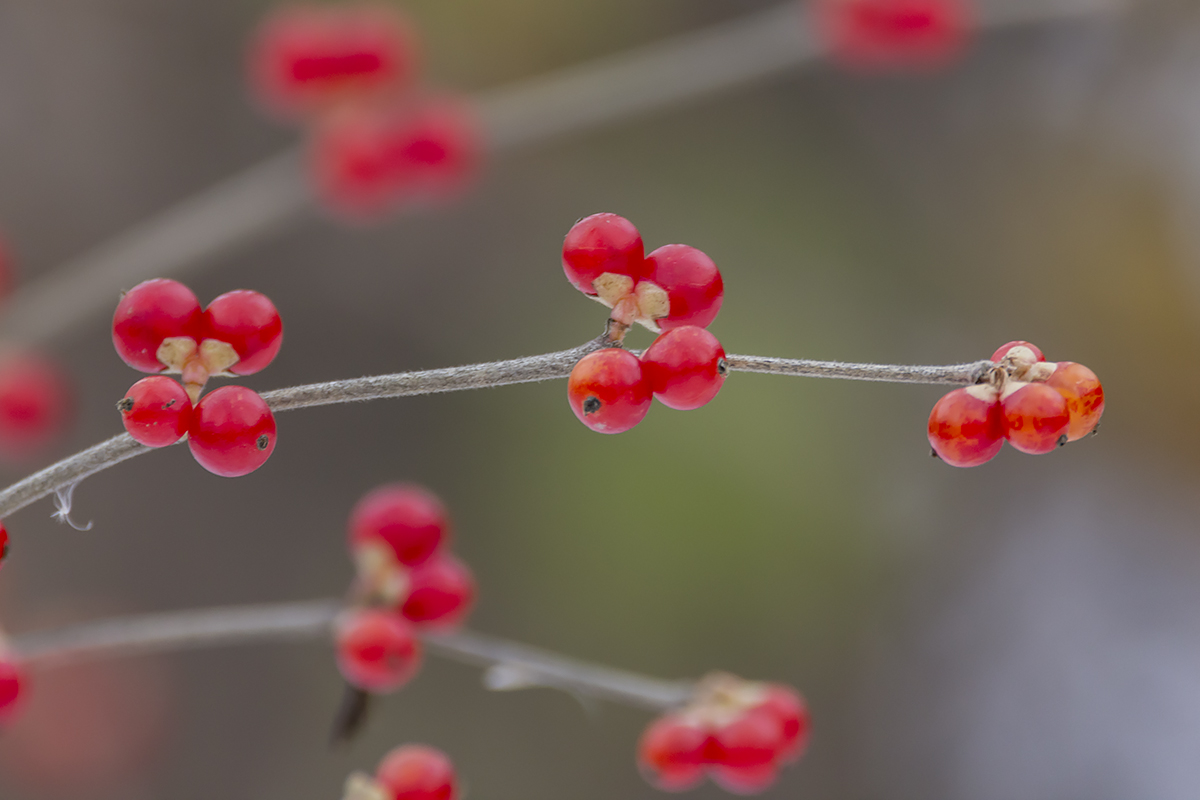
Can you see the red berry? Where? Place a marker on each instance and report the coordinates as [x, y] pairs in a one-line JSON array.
[[408, 518], [608, 391], [1035, 417], [156, 411], [417, 772], [305, 58], [12, 681], [377, 650], [888, 34], [3, 543], [248, 322], [602, 243], [745, 751], [232, 431], [966, 427], [34, 403], [791, 710], [1025, 352], [1080, 387], [685, 367], [441, 592], [147, 314], [692, 282], [369, 160], [671, 753]]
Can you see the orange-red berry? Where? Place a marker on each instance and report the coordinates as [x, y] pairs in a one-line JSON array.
[[1035, 417], [608, 392], [966, 427], [685, 367], [1080, 387]]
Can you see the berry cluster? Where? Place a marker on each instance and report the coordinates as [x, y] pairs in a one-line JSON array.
[[893, 34], [738, 732], [378, 140], [1035, 404], [409, 772], [406, 580], [160, 327]]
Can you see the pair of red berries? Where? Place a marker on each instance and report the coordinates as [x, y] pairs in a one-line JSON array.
[[891, 34], [409, 772], [1034, 404], [738, 732], [159, 326], [407, 580], [378, 141]]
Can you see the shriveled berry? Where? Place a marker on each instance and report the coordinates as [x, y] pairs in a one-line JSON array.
[[249, 323], [408, 518], [232, 431], [966, 427], [685, 367], [692, 283], [149, 313], [306, 58], [35, 403], [1020, 352], [1080, 387], [441, 592], [1035, 417], [791, 710], [377, 650], [417, 772], [156, 411], [12, 685], [602, 243], [892, 34], [672, 752], [608, 391]]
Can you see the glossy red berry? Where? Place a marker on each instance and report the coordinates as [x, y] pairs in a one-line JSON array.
[[12, 684], [744, 751], [608, 391], [1020, 352], [377, 651], [672, 752], [156, 411], [410, 519], [890, 34], [1035, 417], [35, 403], [1080, 387], [232, 431], [602, 243], [792, 712], [249, 323], [307, 58], [417, 772], [685, 367], [966, 427], [441, 592], [692, 282], [147, 314]]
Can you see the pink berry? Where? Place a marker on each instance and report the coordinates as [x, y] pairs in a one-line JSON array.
[[608, 392], [891, 34], [377, 650], [791, 710], [1036, 418], [147, 314], [417, 772], [12, 683], [232, 431], [408, 518], [1021, 351], [685, 367], [602, 243], [441, 592], [156, 411], [1080, 387], [746, 751], [35, 403], [966, 427], [692, 282], [248, 322], [306, 58], [672, 752]]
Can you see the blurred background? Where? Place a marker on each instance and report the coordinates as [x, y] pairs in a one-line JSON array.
[[1023, 629]]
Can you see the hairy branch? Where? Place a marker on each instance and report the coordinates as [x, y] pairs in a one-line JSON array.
[[509, 665]]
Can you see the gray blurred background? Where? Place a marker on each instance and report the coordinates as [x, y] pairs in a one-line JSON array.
[[1025, 629]]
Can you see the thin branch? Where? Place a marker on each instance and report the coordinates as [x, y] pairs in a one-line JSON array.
[[519, 666], [953, 375], [274, 193]]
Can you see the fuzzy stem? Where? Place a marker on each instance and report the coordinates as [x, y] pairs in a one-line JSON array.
[[510, 665]]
